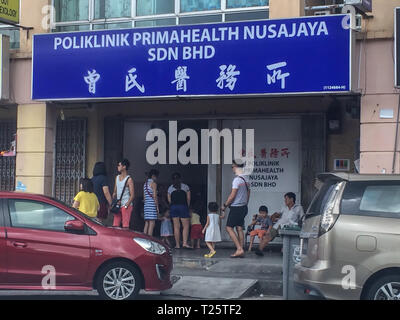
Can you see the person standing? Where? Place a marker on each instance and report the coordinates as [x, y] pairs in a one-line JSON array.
[[150, 197], [101, 189], [86, 200], [124, 190], [290, 214], [179, 200], [211, 229], [237, 201], [166, 227], [196, 228]]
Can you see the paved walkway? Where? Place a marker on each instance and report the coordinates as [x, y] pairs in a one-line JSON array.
[[223, 277]]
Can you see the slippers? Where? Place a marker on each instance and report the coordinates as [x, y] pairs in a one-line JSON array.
[[210, 255], [238, 256], [188, 248]]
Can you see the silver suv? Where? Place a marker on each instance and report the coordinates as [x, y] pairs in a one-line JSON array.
[[350, 239]]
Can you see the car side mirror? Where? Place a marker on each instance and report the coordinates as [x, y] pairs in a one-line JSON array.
[[74, 226]]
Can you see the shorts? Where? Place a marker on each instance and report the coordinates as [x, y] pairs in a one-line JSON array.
[[179, 211], [195, 232], [259, 233], [236, 216]]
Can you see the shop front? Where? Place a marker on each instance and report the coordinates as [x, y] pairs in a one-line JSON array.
[[8, 120], [189, 99]]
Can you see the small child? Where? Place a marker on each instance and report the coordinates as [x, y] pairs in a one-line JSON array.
[[211, 229], [196, 228], [262, 225], [166, 228]]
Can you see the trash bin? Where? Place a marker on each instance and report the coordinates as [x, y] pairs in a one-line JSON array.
[[291, 256]]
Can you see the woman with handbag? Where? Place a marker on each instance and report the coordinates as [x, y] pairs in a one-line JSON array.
[[125, 193], [150, 202]]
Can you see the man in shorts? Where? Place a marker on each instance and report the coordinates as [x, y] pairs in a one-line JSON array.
[[237, 202]]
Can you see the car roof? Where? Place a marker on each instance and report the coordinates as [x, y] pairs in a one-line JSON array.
[[358, 177], [24, 195]]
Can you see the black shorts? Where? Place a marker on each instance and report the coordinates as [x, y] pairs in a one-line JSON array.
[[236, 216]]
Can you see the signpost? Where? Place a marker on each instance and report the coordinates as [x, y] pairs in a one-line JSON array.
[[9, 11], [308, 55]]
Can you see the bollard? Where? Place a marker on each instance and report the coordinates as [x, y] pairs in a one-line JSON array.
[[291, 256]]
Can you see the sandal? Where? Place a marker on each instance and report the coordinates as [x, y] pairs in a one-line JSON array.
[[238, 255]]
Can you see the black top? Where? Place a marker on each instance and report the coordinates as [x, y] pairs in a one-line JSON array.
[[98, 183], [178, 197]]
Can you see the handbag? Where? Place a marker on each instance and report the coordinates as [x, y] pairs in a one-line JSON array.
[[115, 204]]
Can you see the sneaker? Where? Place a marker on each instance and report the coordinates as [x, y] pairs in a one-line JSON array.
[[259, 252]]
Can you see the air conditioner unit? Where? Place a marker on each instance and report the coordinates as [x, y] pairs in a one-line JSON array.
[[322, 13], [363, 5]]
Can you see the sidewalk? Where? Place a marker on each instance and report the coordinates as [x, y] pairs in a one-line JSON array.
[[222, 277]]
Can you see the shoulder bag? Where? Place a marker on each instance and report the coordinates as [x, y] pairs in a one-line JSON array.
[[116, 204]]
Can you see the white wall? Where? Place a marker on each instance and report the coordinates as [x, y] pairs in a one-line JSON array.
[[269, 133]]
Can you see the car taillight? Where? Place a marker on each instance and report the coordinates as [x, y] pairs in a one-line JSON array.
[[329, 216]]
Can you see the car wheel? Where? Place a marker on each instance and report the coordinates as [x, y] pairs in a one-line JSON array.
[[385, 288], [119, 281]]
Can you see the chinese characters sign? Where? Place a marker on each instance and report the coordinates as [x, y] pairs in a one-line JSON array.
[[276, 167], [302, 55]]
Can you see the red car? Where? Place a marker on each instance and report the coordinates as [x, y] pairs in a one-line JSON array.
[[46, 245]]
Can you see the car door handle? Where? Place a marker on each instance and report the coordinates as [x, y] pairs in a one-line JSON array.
[[20, 244]]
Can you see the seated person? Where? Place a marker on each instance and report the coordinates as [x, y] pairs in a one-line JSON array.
[[290, 214], [262, 225]]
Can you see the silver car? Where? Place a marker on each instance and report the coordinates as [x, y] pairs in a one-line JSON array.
[[350, 239]]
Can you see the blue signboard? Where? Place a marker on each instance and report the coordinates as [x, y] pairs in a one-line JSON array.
[[288, 56]]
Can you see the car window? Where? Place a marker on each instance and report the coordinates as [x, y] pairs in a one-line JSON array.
[[37, 215], [372, 198], [381, 199]]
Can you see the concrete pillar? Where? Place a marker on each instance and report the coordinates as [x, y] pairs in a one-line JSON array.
[[379, 106], [286, 9], [35, 146], [35, 14]]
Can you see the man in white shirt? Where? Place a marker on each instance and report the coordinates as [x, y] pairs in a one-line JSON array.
[[237, 202], [290, 215]]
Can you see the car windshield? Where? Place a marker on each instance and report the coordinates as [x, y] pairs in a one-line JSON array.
[[94, 220]]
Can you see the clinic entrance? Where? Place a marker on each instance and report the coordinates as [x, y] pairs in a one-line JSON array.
[[137, 149], [277, 153]]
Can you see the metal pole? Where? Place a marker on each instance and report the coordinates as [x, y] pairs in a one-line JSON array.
[[331, 6]]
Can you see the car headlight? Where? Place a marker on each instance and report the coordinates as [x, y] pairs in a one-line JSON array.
[[150, 246]]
